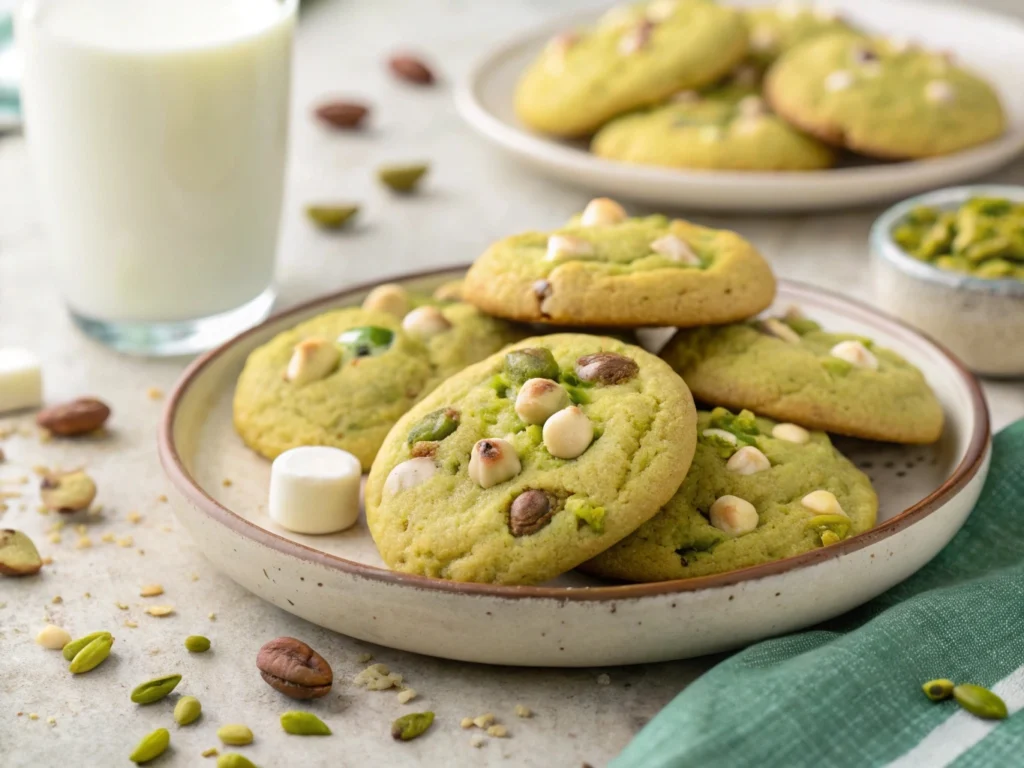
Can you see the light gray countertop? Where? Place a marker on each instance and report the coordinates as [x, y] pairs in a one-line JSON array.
[[474, 196]]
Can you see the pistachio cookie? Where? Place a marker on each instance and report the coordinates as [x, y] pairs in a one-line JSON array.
[[757, 491], [344, 378], [722, 130], [522, 466], [606, 269], [775, 29], [883, 98], [635, 56], [789, 368]]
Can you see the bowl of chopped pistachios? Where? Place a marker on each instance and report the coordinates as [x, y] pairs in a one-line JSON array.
[[951, 262]]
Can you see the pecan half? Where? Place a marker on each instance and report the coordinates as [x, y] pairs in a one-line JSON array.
[[293, 668]]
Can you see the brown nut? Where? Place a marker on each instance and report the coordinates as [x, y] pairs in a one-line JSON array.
[[606, 368], [86, 414], [18, 555], [530, 512], [411, 69], [346, 115], [67, 493], [293, 668]]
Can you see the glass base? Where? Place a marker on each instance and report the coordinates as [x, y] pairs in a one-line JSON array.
[[185, 337]]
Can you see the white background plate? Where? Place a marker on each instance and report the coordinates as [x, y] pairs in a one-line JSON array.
[[338, 581], [988, 43]]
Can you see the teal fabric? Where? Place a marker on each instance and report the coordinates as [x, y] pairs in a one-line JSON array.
[[10, 103], [849, 693]]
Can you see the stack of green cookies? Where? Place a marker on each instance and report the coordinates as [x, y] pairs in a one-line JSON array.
[[693, 84]]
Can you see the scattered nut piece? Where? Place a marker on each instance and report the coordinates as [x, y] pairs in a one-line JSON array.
[[538, 399], [290, 666], [84, 542], [675, 248], [493, 461], [79, 417], [53, 637], [568, 433], [151, 590], [568, 246], [160, 610], [131, 624], [410, 473], [411, 69], [748, 460], [211, 752], [855, 353], [404, 697], [602, 211], [791, 433], [425, 322], [497, 731], [522, 711], [331, 217], [377, 677], [125, 541], [530, 511], [477, 740], [402, 178], [733, 516], [606, 368], [823, 503], [390, 297], [342, 114], [467, 722], [57, 600], [484, 721], [33, 716], [154, 393], [604, 679], [121, 606], [312, 360], [363, 658], [18, 555]]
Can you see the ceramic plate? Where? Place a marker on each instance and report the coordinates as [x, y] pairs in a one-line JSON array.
[[338, 581], [990, 44]]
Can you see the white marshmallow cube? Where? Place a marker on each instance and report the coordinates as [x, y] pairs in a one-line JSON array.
[[21, 380], [315, 489]]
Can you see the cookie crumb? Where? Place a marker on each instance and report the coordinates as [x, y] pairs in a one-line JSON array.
[[484, 721], [377, 677], [160, 610], [51, 720], [194, 577], [404, 697], [162, 498], [498, 731], [134, 517], [57, 599], [125, 541], [154, 393], [227, 482], [522, 711], [212, 617], [121, 606], [467, 722], [603, 679], [33, 716], [477, 740], [107, 537], [211, 752], [151, 590], [131, 624], [364, 658]]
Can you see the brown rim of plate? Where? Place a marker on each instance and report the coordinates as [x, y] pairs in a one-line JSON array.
[[183, 482]]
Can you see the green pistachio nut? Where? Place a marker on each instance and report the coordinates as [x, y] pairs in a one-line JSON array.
[[71, 649], [522, 365], [938, 690], [151, 746], [235, 734], [586, 513], [402, 178], [435, 426], [839, 525], [187, 710], [234, 760], [155, 689], [92, 655], [366, 341], [801, 325], [304, 724], [836, 366], [410, 726], [197, 644], [980, 702], [331, 216]]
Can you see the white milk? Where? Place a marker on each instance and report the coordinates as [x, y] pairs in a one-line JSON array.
[[158, 131]]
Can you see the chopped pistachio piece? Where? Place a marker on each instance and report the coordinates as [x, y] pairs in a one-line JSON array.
[[331, 216]]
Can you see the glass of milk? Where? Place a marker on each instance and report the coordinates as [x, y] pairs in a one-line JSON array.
[[158, 131]]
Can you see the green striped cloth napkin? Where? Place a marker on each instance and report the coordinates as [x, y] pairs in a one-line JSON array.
[[849, 693]]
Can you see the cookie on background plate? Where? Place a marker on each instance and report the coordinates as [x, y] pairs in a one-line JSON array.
[[608, 270], [790, 369], [775, 29], [634, 56], [345, 377], [523, 466], [884, 98], [757, 491], [728, 130]]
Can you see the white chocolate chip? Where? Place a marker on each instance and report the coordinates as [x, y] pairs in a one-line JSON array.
[[840, 80], [493, 461], [733, 516], [721, 434], [939, 91], [560, 246], [568, 433], [410, 473], [751, 106], [856, 354], [390, 298], [763, 38], [823, 503], [313, 359], [53, 637], [675, 248], [602, 210], [748, 460], [660, 10], [315, 489], [539, 399], [425, 322], [791, 433]]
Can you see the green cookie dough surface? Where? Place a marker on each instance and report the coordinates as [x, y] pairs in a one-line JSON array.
[[724, 130], [354, 407], [738, 366], [584, 78], [623, 282], [883, 98], [775, 29], [450, 527], [680, 543]]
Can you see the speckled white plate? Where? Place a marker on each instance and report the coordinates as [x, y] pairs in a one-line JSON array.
[[339, 582], [991, 44]]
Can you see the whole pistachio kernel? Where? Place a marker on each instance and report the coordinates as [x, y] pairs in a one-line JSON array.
[[155, 689], [92, 655], [234, 760], [187, 710], [67, 493], [435, 426], [331, 216], [18, 554], [366, 341], [521, 365], [304, 724], [235, 734], [530, 511], [938, 690], [980, 702], [197, 644], [410, 726], [71, 649], [402, 178], [151, 746]]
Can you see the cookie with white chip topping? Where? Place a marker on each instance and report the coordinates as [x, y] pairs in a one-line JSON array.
[[883, 98], [749, 498], [494, 479], [790, 369], [610, 270]]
